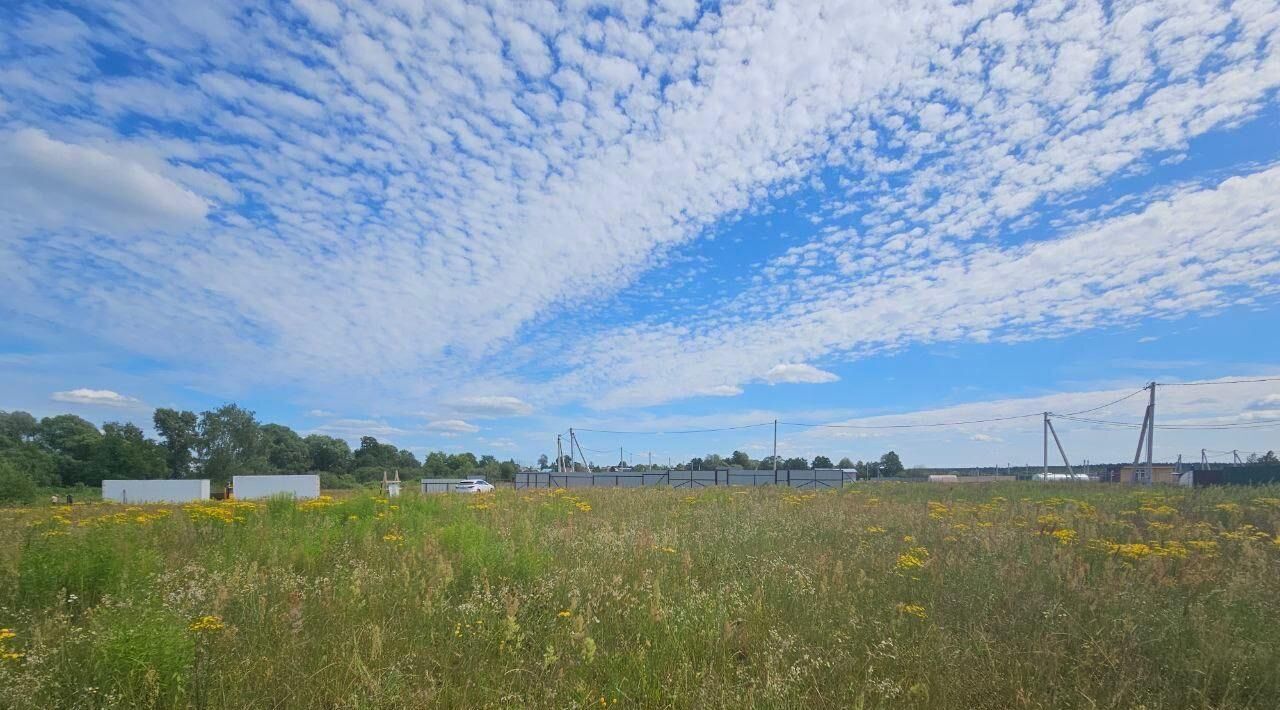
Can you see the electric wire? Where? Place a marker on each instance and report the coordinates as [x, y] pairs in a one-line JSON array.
[[682, 431], [1185, 425], [1218, 382], [1108, 404], [912, 426]]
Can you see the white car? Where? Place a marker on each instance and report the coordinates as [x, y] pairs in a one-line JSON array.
[[473, 485]]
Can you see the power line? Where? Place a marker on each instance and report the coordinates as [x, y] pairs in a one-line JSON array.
[[1186, 425], [913, 426], [1218, 382], [683, 431], [1108, 404]]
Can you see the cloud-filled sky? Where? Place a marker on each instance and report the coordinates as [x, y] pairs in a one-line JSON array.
[[473, 225]]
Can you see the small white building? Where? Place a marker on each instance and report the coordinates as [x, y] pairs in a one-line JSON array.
[[156, 491], [299, 486], [943, 478]]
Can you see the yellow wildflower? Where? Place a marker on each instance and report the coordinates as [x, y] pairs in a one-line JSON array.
[[565, 614], [912, 559], [207, 624], [1064, 536], [915, 610]]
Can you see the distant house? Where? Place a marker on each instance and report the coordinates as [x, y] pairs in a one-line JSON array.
[[1160, 473]]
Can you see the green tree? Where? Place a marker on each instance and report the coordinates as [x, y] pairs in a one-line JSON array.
[[542, 462], [696, 464], [436, 465], [845, 463], [230, 443], [15, 487], [822, 462], [507, 470], [739, 459], [795, 464], [328, 453], [461, 465], [285, 450], [766, 463], [374, 454], [33, 461], [17, 427], [124, 452], [406, 461], [177, 432], [891, 465], [72, 441]]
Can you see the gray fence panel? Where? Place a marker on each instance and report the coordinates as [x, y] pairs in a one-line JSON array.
[[818, 479]]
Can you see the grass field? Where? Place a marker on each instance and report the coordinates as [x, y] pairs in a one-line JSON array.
[[880, 595]]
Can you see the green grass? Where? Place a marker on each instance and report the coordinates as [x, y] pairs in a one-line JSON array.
[[877, 596]]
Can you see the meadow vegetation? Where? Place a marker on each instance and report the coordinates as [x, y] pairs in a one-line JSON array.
[[878, 595]]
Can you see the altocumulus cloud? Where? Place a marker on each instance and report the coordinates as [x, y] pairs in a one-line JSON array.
[[429, 152], [798, 372], [102, 398], [492, 406], [452, 427]]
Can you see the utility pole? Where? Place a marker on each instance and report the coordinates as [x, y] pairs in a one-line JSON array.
[[573, 461], [1235, 457], [1204, 460], [1045, 470], [775, 451], [1151, 434], [1146, 436], [1061, 450]]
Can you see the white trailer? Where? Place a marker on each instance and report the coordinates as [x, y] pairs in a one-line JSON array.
[[297, 485], [156, 491]]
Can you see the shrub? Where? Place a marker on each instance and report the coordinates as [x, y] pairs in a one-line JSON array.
[[15, 487]]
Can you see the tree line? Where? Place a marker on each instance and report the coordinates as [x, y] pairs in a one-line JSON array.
[[887, 465], [67, 450]]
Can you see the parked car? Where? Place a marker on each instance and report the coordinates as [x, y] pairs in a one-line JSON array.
[[473, 485]]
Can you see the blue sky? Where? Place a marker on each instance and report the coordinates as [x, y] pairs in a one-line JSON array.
[[470, 226]]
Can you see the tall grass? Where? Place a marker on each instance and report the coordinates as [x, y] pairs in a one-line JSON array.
[[885, 595]]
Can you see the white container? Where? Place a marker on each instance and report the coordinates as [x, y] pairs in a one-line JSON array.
[[299, 486], [156, 491]]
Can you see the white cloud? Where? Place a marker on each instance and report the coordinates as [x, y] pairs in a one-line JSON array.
[[1269, 403], [57, 183], [320, 413], [1148, 339], [718, 391], [797, 373], [102, 398], [447, 162], [452, 427], [1192, 253], [492, 406], [355, 428], [1019, 441]]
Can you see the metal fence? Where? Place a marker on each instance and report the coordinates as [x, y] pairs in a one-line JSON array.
[[811, 478], [441, 485]]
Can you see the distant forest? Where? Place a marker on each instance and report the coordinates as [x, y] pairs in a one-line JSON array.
[[67, 450]]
